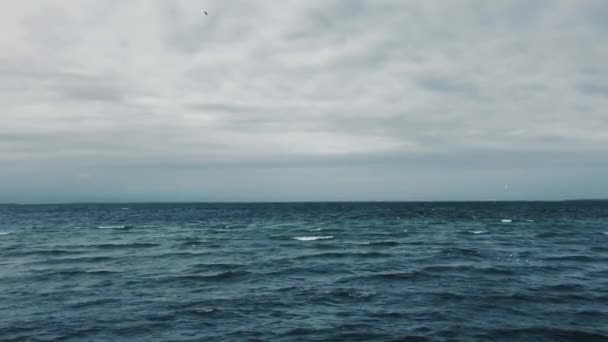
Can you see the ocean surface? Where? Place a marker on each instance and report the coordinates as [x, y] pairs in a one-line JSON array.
[[511, 271]]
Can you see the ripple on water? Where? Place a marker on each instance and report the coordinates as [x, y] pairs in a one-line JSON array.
[[545, 333], [79, 260], [460, 252], [216, 277], [341, 255], [134, 245], [383, 243]]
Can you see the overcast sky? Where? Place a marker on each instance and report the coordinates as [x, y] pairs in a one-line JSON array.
[[141, 100]]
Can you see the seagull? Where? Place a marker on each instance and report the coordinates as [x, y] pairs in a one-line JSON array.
[[205, 12]]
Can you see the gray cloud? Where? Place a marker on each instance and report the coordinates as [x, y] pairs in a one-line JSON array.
[[591, 88], [379, 88]]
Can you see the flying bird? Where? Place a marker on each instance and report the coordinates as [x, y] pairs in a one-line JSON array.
[[205, 12]]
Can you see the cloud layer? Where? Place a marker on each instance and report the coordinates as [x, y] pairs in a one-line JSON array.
[[409, 99]]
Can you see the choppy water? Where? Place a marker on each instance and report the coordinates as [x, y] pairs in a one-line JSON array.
[[305, 272]]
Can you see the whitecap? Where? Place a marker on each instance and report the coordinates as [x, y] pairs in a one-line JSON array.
[[605, 233], [113, 227], [529, 220], [5, 233], [205, 310], [506, 220], [313, 238], [315, 230], [478, 231]]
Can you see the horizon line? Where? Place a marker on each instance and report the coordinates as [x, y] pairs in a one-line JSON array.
[[300, 202]]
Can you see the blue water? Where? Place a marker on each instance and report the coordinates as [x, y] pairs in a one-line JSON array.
[[305, 272]]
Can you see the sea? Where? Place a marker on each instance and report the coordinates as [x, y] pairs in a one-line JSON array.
[[428, 271]]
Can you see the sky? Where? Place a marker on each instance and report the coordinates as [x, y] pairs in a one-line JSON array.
[[303, 100]]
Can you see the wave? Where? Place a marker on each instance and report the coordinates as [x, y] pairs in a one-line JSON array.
[[337, 255], [313, 238], [227, 275], [80, 260], [93, 303], [308, 271], [218, 266], [579, 258], [468, 269], [552, 334], [546, 235], [390, 276], [344, 332], [353, 293], [115, 227], [192, 243], [6, 233], [45, 252], [562, 288], [376, 243], [411, 338], [456, 251], [384, 244], [75, 272], [179, 255], [447, 268], [506, 220], [124, 245], [204, 310], [477, 231], [535, 296]]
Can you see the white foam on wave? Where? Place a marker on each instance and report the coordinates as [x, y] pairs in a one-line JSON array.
[[315, 230], [506, 220], [478, 231], [5, 233], [605, 233], [112, 227], [313, 238]]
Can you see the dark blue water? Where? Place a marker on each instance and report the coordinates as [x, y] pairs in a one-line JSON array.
[[305, 272]]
